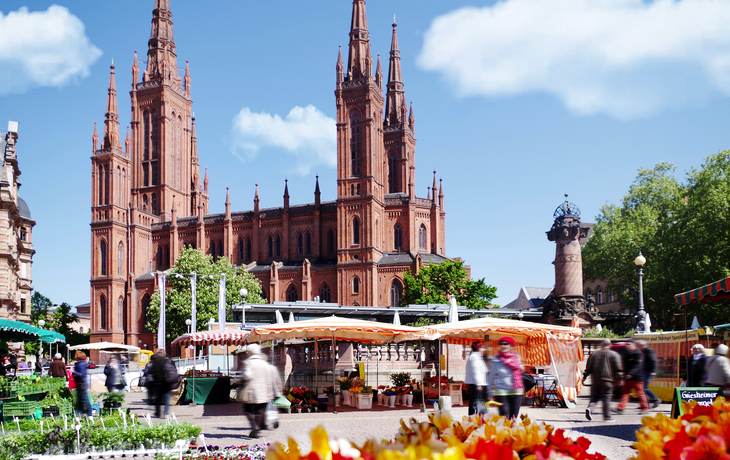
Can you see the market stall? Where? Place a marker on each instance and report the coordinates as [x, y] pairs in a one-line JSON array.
[[555, 349]]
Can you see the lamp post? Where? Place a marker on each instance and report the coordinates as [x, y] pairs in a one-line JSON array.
[[41, 323], [520, 315], [188, 322], [244, 294], [641, 314]]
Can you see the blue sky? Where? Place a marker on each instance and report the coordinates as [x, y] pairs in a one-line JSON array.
[[516, 103]]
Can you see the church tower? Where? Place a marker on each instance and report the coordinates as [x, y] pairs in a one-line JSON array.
[[111, 168], [360, 167], [164, 150], [398, 127]]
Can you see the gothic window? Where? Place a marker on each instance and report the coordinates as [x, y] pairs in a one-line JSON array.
[[160, 254], [212, 251], [167, 257], [358, 189], [144, 202], [300, 244], [396, 293], [588, 294], [355, 144], [248, 249], [146, 155], [356, 231], [146, 300], [123, 196], [352, 190], [393, 186], [599, 296], [220, 248], [106, 184], [271, 247], [120, 312], [398, 237], [154, 173], [173, 151], [278, 246], [102, 312], [331, 247], [356, 285], [101, 185], [118, 186], [309, 243], [146, 174], [102, 255], [120, 259], [610, 295], [291, 294], [240, 251], [153, 137], [422, 237], [154, 204], [325, 294]]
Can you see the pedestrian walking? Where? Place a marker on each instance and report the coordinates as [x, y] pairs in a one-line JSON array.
[[258, 389], [114, 379], [696, 373], [633, 378], [165, 375], [476, 377], [274, 382], [57, 367], [650, 365], [80, 372], [718, 368], [504, 382], [148, 379], [604, 367]]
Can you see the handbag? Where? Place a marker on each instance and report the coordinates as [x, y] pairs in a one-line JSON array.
[[480, 406], [241, 394], [528, 381], [272, 416]]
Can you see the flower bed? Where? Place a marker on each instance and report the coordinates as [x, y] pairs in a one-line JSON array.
[[475, 437], [701, 433], [253, 452]]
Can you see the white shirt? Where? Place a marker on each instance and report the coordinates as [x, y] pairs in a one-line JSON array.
[[476, 370]]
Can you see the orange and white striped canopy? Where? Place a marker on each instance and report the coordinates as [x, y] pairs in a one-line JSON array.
[[337, 327], [225, 336], [476, 329]]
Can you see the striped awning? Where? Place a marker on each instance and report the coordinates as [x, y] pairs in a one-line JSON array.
[[215, 337], [719, 290]]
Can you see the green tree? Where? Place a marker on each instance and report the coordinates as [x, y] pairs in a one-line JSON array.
[[178, 300], [39, 305], [681, 228], [59, 321], [435, 283]]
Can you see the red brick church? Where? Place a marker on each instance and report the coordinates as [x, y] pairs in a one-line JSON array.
[[148, 200]]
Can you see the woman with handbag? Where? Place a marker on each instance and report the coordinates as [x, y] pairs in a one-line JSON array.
[[258, 390], [505, 379]]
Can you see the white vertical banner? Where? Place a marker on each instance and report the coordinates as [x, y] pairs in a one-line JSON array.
[[222, 303], [194, 293], [161, 333]]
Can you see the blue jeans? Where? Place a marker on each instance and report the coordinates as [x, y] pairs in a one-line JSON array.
[[650, 396], [162, 398]]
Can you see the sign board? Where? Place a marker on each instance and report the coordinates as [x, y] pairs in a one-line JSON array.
[[361, 369], [667, 337], [704, 396]]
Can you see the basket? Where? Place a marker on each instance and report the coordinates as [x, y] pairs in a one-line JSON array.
[[19, 408]]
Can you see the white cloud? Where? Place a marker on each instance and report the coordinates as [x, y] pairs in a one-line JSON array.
[[43, 48], [306, 133], [626, 58]]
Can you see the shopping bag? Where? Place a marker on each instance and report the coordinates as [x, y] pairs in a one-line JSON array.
[[480, 406], [282, 403], [528, 381], [272, 416], [241, 394]]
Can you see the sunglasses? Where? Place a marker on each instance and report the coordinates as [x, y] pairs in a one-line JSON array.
[[504, 343]]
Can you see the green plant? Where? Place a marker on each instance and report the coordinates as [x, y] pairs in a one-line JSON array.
[[344, 383], [113, 397], [605, 333], [400, 379]]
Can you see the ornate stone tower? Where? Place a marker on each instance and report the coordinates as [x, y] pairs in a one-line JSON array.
[[567, 297], [361, 174]]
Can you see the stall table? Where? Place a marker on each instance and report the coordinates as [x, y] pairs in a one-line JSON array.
[[209, 390]]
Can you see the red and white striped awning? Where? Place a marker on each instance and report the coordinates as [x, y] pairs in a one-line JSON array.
[[215, 337]]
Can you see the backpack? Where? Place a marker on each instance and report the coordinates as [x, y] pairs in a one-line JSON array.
[[171, 376]]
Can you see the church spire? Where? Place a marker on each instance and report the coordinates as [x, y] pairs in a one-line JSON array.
[[127, 142], [135, 71], [317, 193], [186, 79], [95, 140], [434, 188], [412, 120], [360, 60], [286, 194], [228, 204], [395, 101], [340, 67], [379, 75], [256, 200], [195, 176], [111, 123], [161, 57]]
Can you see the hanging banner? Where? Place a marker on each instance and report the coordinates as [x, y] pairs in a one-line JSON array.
[[222, 303], [194, 293], [161, 333]]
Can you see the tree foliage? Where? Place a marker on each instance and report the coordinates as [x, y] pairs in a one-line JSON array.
[[178, 300], [683, 230], [435, 283], [59, 321]]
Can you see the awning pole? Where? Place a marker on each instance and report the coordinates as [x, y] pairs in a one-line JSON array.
[[423, 387], [334, 361], [438, 374], [195, 351]]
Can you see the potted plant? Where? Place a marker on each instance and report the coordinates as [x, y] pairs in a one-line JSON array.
[[113, 400], [333, 395], [345, 384]]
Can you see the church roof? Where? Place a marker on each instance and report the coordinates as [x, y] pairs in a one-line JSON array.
[[406, 258], [23, 208]]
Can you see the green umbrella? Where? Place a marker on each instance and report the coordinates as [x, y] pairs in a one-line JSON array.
[[18, 331]]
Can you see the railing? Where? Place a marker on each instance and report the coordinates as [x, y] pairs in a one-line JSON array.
[[592, 344]]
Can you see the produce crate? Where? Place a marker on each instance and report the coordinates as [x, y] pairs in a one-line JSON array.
[[19, 408], [66, 407]]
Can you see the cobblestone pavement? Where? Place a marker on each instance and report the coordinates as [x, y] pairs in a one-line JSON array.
[[226, 424]]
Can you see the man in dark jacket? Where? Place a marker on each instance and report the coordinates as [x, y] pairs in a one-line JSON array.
[[697, 374], [633, 378], [57, 367], [650, 365], [604, 366]]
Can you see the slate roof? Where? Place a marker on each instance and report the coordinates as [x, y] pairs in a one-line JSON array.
[[23, 208]]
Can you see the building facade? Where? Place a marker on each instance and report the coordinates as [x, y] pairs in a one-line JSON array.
[[16, 236], [149, 202]]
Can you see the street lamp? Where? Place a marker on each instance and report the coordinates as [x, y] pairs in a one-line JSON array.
[[641, 314], [244, 294], [188, 322], [520, 315], [41, 323]]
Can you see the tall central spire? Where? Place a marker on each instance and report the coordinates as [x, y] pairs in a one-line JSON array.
[[161, 57], [360, 61], [395, 102], [111, 123]]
